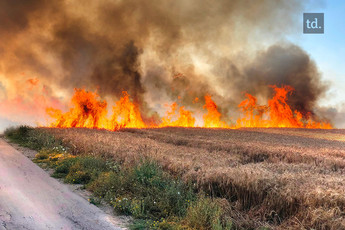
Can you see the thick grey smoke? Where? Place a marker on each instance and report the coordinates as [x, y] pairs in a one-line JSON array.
[[158, 50], [284, 64]]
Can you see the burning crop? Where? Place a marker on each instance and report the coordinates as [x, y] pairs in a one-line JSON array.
[[203, 54], [212, 117], [89, 111], [178, 116], [277, 113]]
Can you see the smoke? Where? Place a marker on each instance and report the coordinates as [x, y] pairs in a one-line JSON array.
[[156, 50], [15, 15], [284, 64], [337, 113]]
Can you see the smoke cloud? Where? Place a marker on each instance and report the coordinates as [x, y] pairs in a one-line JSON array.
[[156, 50], [284, 64]]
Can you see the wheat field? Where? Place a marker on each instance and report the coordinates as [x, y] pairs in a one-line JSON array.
[[286, 178]]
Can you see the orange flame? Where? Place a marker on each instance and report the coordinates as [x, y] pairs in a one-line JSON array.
[[126, 114], [277, 114], [252, 113], [212, 117], [89, 111], [183, 118]]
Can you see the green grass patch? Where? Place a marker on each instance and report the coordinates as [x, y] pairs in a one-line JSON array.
[[145, 191], [205, 213], [32, 138]]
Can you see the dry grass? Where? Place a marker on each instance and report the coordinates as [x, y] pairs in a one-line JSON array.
[[286, 178]]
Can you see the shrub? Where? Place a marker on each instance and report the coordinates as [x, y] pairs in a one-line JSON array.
[[94, 166], [18, 134], [150, 224], [139, 225], [123, 205], [107, 185], [79, 170], [77, 175], [32, 138], [41, 156], [153, 193], [144, 191], [206, 214], [63, 167]]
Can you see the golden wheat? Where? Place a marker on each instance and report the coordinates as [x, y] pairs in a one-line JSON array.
[[287, 178]]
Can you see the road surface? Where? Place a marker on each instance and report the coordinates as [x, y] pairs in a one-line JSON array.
[[31, 199]]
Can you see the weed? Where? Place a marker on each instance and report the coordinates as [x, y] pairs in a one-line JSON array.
[[81, 170], [78, 175], [41, 156], [94, 200], [32, 138], [63, 167], [205, 214]]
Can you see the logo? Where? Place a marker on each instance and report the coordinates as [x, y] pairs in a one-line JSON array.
[[313, 23]]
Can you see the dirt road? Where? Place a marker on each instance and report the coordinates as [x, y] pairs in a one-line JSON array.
[[31, 199]]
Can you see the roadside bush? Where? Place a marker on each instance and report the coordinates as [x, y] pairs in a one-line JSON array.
[[27, 136], [107, 185], [94, 166], [62, 168], [81, 170], [144, 191], [18, 134], [206, 214], [77, 175], [41, 156], [152, 224], [159, 194]]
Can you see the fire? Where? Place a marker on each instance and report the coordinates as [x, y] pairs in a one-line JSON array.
[[33, 81], [89, 111], [126, 114], [252, 113], [178, 117], [281, 114], [276, 114], [212, 117]]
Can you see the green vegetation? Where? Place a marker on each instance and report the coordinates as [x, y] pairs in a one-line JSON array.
[[156, 199], [206, 214], [32, 138]]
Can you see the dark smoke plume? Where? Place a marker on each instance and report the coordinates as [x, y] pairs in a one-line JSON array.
[[158, 50], [279, 65]]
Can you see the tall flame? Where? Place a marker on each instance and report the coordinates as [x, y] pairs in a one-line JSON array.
[[126, 114], [276, 114], [212, 117], [89, 111], [178, 117]]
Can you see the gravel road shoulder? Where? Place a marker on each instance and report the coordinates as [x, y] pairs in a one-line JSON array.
[[31, 199]]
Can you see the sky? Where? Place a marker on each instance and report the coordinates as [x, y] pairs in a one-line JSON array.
[[328, 49]]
